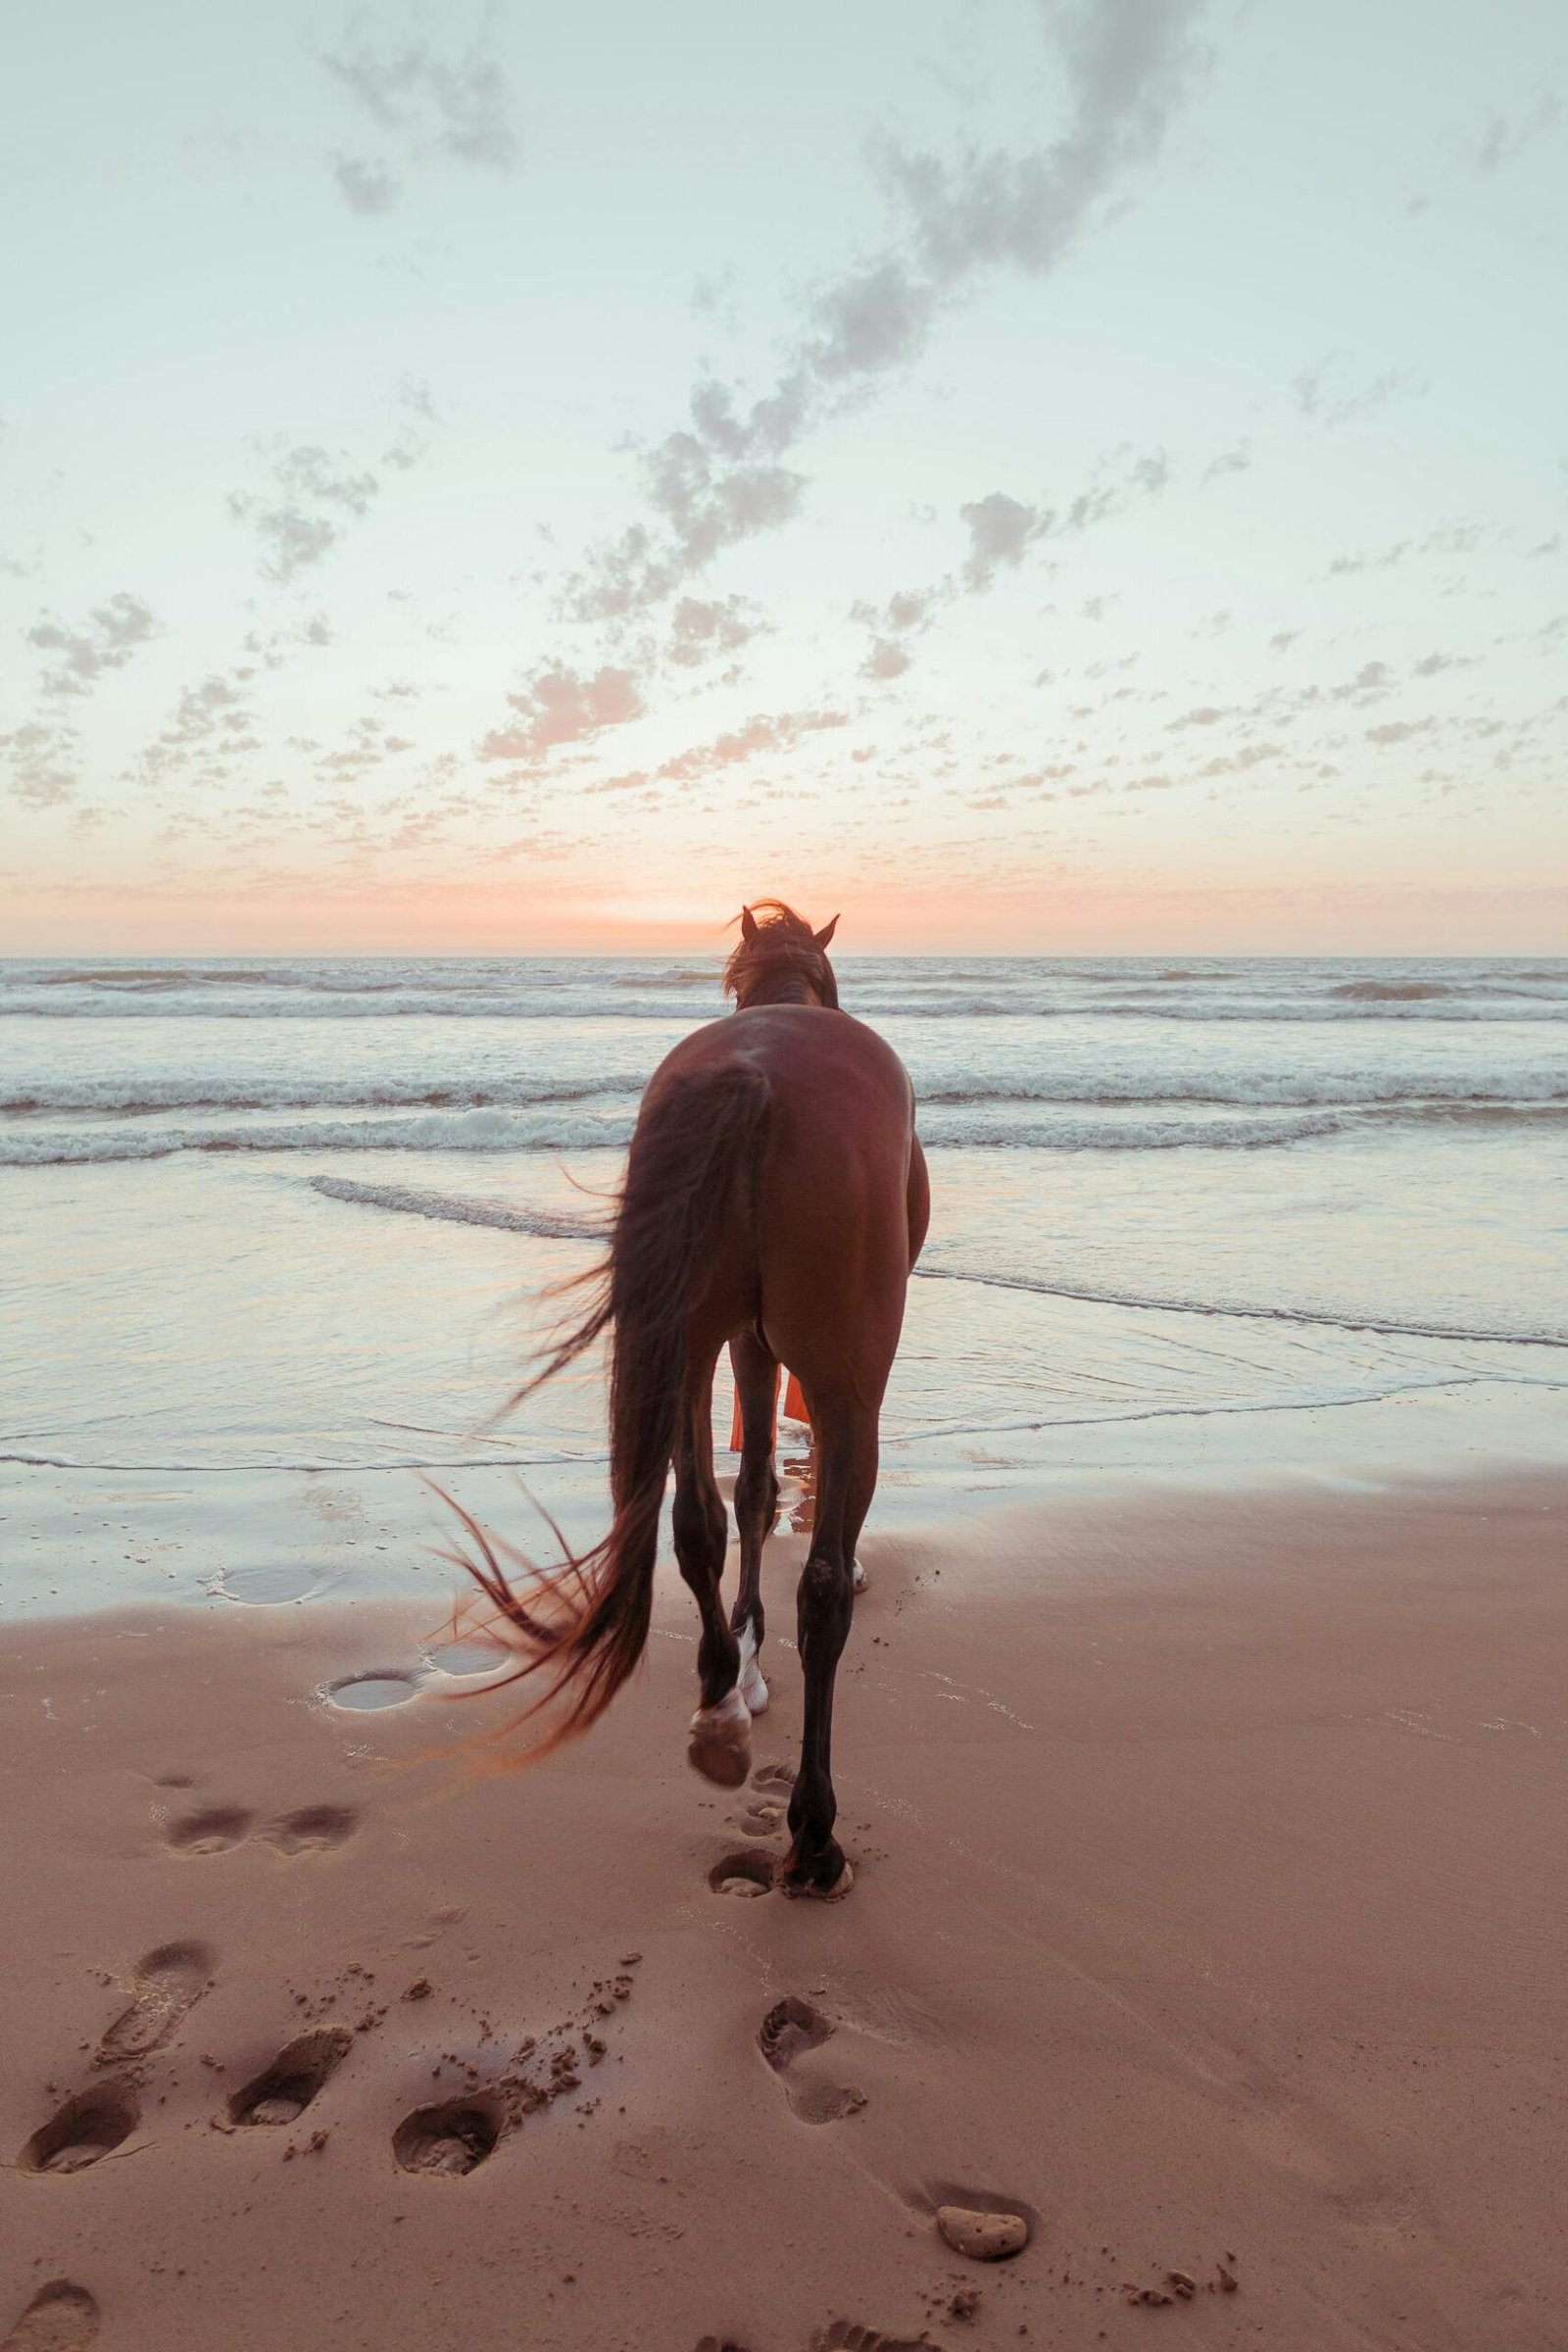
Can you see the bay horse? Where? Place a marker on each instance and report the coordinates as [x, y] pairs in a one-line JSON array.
[[775, 1198]]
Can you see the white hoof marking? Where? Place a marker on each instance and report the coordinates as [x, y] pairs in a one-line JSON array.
[[751, 1686], [859, 1576]]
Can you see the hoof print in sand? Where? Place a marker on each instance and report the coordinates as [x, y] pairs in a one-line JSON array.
[[295, 2075], [742, 1875], [791, 2028], [720, 2343], [761, 1820], [312, 1830], [851, 2335], [450, 2139], [61, 2318], [778, 1777], [88, 2127], [168, 1983], [985, 2235], [213, 1832]]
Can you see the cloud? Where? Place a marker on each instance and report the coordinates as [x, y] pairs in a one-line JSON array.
[[1001, 530], [44, 763], [412, 439], [1398, 730], [1449, 539], [558, 708], [293, 536], [721, 478], [315, 492], [309, 471], [760, 735], [701, 633], [366, 185], [705, 505], [1319, 397], [214, 724], [886, 660], [1230, 461], [906, 614], [1505, 138], [112, 633], [446, 102]]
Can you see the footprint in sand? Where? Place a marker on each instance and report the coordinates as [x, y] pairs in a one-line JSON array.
[[761, 1820], [312, 1830], [778, 1779], [380, 1687], [61, 2318], [86, 2128], [791, 2030], [450, 2139], [168, 1983], [851, 2335], [213, 1832], [742, 1875], [281, 2094]]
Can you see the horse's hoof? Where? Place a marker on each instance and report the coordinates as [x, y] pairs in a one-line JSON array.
[[858, 1576], [802, 1887], [721, 1744]]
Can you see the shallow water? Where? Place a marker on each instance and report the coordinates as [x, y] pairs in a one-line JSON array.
[[280, 1232]]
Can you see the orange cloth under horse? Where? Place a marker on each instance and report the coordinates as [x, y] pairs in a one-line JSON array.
[[794, 1411]]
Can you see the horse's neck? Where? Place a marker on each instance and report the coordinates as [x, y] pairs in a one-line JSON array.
[[795, 989]]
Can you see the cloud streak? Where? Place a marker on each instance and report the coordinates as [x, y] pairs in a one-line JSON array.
[[79, 658], [558, 708], [433, 100], [721, 478]]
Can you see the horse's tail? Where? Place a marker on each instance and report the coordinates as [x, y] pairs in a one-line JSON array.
[[586, 1624]]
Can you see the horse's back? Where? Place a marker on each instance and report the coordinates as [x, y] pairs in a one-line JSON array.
[[838, 1094], [817, 1248]]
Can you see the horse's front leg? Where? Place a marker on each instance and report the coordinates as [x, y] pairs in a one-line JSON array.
[[824, 1607]]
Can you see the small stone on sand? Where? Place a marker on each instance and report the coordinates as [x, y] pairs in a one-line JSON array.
[[983, 2236], [276, 2111]]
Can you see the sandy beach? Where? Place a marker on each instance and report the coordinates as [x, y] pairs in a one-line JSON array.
[[792, 780], [1208, 1907]]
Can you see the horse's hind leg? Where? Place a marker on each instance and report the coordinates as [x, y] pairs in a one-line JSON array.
[[720, 1745], [755, 1502], [824, 1604]]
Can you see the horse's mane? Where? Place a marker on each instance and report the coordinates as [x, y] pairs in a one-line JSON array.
[[779, 946]]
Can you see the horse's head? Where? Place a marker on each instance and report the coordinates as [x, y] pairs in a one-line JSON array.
[[780, 959]]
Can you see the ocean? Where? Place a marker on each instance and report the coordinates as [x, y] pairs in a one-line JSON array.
[[279, 1233]]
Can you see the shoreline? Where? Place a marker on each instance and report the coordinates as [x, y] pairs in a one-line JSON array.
[[1209, 1894]]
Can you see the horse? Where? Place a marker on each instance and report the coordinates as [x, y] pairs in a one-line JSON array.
[[775, 1198]]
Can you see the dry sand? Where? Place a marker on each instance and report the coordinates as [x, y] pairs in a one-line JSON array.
[[1209, 1914]]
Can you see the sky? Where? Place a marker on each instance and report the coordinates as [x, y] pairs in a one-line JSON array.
[[1035, 475]]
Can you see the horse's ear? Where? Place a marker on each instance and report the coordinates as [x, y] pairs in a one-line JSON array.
[[823, 936], [748, 926]]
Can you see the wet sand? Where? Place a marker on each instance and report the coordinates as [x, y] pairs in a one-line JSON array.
[[1209, 1915]]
